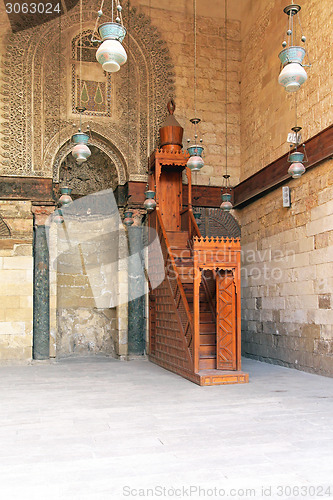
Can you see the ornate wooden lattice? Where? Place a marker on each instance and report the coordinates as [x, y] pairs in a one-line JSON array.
[[170, 321]]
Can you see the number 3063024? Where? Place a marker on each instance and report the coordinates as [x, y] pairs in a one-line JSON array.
[[32, 8]]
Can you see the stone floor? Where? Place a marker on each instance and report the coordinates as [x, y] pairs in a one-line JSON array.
[[105, 429]]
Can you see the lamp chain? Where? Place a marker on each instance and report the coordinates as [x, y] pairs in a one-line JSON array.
[[80, 56], [226, 85], [195, 62]]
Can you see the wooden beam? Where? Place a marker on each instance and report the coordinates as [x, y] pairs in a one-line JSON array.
[[26, 188], [319, 148]]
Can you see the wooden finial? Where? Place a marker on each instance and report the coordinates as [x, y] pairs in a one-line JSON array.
[[171, 106]]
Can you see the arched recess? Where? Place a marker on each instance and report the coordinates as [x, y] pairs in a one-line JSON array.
[[37, 93], [87, 316], [56, 154]]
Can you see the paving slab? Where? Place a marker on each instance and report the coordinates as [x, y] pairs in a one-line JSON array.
[[98, 428]]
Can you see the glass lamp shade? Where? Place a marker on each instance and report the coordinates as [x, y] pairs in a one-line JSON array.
[[195, 163], [296, 170], [226, 204], [292, 54], [65, 197], [128, 220], [111, 55], [296, 156], [58, 218], [195, 150], [149, 203], [81, 153], [292, 76]]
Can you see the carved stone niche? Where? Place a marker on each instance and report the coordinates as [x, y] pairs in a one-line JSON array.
[[96, 174], [39, 88]]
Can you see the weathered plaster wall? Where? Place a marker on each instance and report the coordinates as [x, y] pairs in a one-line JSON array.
[[16, 282], [287, 275], [87, 287]]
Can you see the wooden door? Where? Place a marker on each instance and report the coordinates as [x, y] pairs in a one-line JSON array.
[[226, 328], [169, 198]]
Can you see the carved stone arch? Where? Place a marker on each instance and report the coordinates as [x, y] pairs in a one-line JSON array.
[[4, 229], [102, 143], [32, 64]]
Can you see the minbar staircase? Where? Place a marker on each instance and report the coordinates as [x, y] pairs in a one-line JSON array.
[[194, 313], [207, 317], [194, 298]]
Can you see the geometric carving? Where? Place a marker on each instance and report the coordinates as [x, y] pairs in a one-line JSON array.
[[37, 80], [96, 174], [226, 322], [216, 222], [4, 229], [94, 93]]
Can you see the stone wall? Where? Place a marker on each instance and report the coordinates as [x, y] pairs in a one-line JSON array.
[[16, 282], [176, 27], [287, 276], [267, 111]]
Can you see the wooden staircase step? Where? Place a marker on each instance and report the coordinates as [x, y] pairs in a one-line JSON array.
[[207, 339], [187, 272], [177, 238], [180, 252], [207, 362], [207, 350], [184, 262], [209, 327], [206, 316]]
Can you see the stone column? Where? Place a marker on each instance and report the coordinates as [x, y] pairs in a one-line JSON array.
[[136, 288], [41, 286]]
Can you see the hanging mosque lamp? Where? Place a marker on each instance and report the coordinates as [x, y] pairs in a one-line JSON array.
[[226, 195], [293, 74], [111, 53], [195, 161], [149, 203], [80, 139], [295, 157]]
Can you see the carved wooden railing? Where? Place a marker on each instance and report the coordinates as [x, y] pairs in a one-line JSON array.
[[175, 287], [208, 278]]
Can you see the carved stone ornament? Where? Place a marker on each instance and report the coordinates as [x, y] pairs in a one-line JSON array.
[[41, 213], [39, 90]]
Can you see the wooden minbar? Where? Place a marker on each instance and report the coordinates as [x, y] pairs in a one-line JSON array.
[[194, 320]]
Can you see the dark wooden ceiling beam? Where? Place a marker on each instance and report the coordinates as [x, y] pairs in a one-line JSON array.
[[319, 148]]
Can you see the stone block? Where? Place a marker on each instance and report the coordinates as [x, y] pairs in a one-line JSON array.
[[322, 211], [324, 301], [11, 289], [18, 262], [14, 315], [12, 328], [320, 226]]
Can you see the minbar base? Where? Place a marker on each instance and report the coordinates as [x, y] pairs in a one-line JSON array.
[[221, 377], [205, 377]]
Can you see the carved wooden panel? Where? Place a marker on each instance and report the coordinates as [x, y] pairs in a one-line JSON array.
[[226, 322]]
